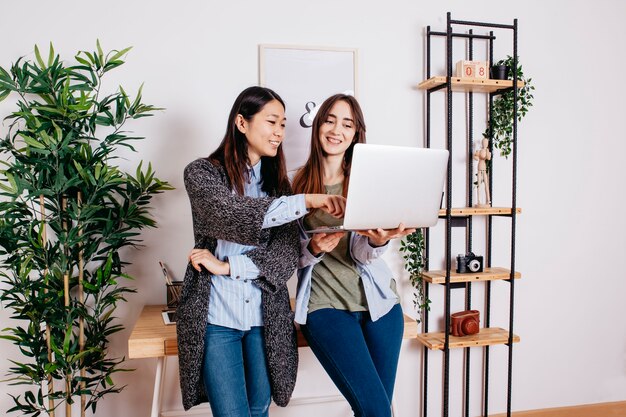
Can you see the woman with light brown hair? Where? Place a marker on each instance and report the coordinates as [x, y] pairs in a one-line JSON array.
[[346, 302]]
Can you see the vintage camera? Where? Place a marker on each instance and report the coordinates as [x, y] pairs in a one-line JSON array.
[[469, 263], [465, 323]]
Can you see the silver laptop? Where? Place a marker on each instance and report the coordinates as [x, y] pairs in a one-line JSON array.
[[390, 185]]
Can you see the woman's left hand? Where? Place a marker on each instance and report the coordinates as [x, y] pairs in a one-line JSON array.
[[205, 258], [379, 237]]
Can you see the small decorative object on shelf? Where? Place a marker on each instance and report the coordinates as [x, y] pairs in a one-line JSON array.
[[472, 69], [498, 72], [482, 177], [465, 323], [469, 263], [500, 125]]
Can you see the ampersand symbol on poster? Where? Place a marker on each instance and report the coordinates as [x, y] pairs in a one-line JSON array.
[[307, 118]]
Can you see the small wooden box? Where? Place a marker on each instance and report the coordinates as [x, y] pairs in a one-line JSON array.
[[472, 69]]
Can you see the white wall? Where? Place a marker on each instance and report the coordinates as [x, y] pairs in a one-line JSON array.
[[195, 57]]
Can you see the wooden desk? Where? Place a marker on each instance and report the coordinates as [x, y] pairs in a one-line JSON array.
[[151, 338]]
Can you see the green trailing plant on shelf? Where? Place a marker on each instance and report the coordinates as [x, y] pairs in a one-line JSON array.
[[66, 212], [500, 125], [412, 247]]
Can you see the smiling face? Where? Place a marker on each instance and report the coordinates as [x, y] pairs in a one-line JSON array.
[[264, 131], [338, 130]]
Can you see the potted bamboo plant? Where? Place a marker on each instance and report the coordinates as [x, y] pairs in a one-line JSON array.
[[66, 211]]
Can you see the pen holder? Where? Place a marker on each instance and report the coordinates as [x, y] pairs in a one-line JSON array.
[[173, 293]]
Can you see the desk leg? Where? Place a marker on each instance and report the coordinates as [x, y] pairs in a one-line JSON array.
[[158, 386]]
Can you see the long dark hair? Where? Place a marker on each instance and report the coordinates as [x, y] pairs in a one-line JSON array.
[[310, 178], [232, 154]]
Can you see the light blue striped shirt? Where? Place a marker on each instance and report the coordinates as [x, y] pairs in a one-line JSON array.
[[235, 302]]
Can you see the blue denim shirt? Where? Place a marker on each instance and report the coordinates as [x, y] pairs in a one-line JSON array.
[[375, 274], [235, 301]]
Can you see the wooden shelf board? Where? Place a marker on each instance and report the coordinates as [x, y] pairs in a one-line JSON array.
[[479, 211], [485, 337], [469, 84], [489, 274]]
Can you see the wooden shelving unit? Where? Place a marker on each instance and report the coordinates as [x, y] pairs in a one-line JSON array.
[[469, 84], [476, 211], [489, 274], [488, 336], [440, 338]]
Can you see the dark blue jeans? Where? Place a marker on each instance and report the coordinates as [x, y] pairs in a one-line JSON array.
[[235, 373], [360, 355]]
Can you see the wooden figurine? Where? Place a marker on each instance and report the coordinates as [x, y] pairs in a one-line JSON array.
[[483, 155]]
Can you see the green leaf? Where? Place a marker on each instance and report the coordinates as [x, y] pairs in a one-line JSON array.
[[7, 189], [138, 98], [48, 109], [126, 99], [100, 53], [32, 142], [67, 340], [120, 54], [38, 57], [111, 65], [4, 75], [51, 55]]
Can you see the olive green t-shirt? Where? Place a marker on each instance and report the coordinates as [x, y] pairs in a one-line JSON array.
[[335, 282]]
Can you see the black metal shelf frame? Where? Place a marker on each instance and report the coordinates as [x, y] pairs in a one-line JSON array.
[[490, 38]]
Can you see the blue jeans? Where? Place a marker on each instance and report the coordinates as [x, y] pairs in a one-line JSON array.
[[234, 372], [359, 355]]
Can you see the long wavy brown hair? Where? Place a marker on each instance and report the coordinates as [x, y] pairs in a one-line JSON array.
[[310, 178], [232, 154]]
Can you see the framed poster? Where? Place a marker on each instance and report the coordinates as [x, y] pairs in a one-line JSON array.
[[304, 77]]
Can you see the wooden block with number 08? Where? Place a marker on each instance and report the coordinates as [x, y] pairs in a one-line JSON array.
[[471, 69]]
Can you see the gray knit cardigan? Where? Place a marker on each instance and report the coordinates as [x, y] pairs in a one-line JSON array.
[[218, 213]]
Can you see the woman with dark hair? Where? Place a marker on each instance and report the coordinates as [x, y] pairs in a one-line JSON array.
[[347, 303], [236, 337]]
